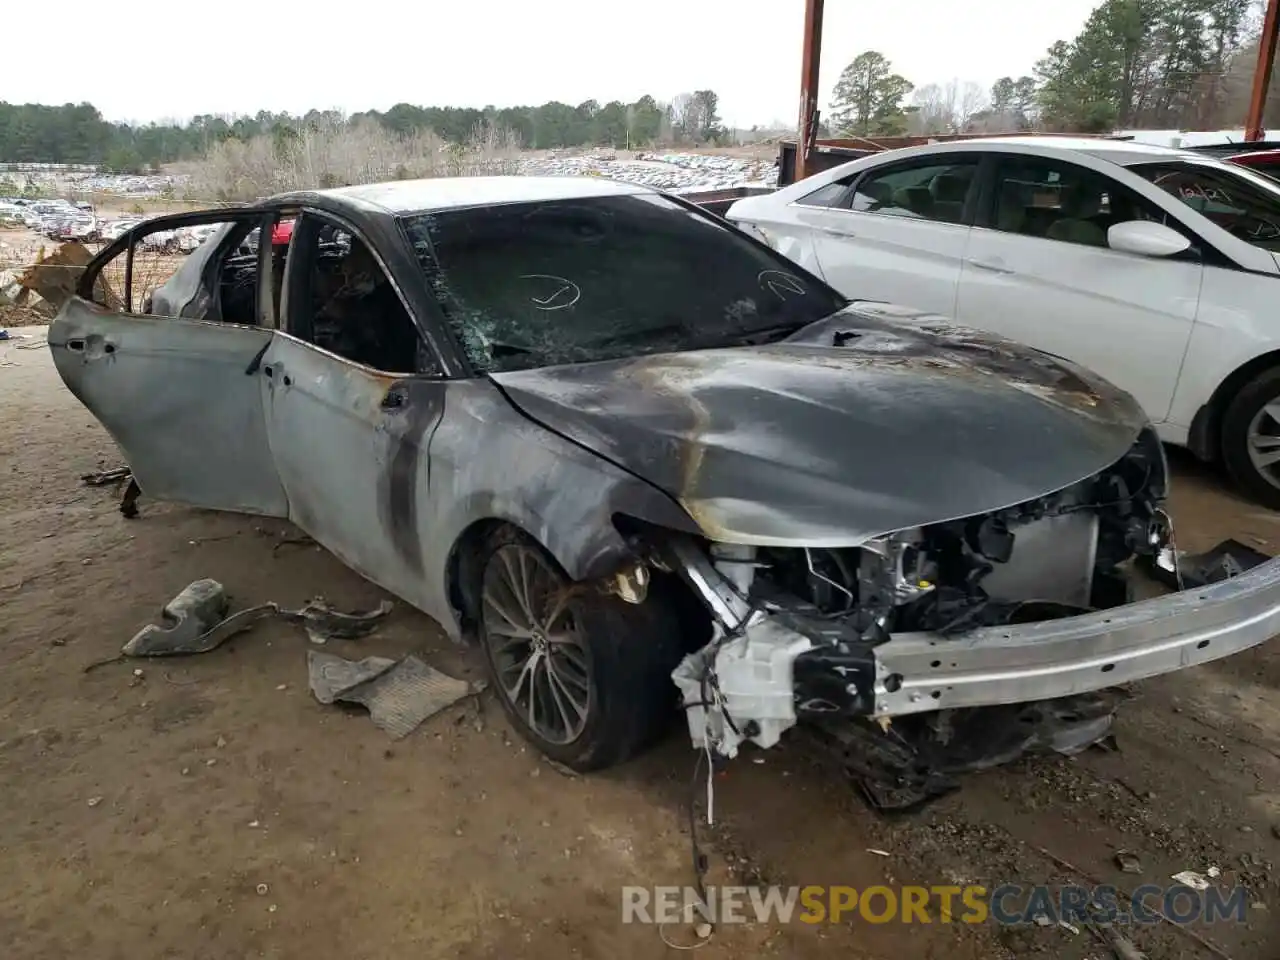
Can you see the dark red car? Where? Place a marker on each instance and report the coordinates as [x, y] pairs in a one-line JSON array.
[[1264, 161], [282, 233]]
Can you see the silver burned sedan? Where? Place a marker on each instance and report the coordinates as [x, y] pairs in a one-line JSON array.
[[619, 444]]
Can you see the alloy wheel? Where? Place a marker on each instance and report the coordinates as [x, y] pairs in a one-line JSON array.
[[536, 643], [1264, 442]]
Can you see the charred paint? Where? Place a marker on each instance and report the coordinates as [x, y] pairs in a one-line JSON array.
[[409, 428], [805, 442]]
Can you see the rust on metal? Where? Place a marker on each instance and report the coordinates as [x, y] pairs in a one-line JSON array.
[[1262, 74], [811, 59]]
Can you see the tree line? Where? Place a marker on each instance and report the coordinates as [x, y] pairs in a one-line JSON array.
[[1156, 64], [78, 133]]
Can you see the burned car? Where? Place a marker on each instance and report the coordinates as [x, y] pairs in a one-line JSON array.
[[622, 444]]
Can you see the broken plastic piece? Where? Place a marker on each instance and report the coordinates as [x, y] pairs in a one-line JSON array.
[[1189, 878], [189, 619], [1230, 558], [197, 622]]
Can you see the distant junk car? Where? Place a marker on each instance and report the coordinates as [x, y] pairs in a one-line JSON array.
[[623, 443]]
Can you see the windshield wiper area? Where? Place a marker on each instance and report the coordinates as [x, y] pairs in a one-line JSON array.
[[753, 338]]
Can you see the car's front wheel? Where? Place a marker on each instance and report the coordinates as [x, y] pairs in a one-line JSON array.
[[1251, 438], [584, 676]]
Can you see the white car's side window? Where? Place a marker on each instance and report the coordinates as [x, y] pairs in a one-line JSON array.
[[1242, 203], [1057, 200], [834, 195], [935, 189]]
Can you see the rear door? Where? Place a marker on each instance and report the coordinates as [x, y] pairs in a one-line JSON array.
[[899, 232], [1038, 269], [178, 394]]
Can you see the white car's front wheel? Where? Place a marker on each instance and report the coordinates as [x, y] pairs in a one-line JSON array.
[[1251, 438]]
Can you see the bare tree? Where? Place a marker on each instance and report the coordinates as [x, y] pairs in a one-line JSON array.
[[332, 153], [932, 112], [971, 100]]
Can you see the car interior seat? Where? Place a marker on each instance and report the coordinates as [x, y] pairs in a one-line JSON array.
[[878, 192], [948, 192], [916, 199], [1078, 205], [1011, 208]]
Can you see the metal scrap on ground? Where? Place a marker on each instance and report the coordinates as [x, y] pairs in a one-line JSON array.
[[399, 694], [196, 621]]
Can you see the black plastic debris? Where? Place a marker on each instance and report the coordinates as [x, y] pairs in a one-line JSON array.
[[115, 477], [1228, 559]]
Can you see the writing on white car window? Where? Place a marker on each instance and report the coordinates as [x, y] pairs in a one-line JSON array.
[[1241, 202]]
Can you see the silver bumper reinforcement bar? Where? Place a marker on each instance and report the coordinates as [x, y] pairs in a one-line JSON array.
[[917, 672]]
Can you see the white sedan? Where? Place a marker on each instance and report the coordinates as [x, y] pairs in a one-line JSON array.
[[1157, 268]]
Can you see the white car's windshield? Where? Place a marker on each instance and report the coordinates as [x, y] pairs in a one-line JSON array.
[[526, 285], [1240, 201]]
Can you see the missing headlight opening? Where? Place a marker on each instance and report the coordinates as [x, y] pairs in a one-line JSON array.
[[806, 634]]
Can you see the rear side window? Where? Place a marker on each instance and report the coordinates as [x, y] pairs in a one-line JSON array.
[[834, 194], [537, 284], [924, 190]]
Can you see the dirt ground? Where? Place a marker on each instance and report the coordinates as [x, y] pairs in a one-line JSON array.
[[212, 808]]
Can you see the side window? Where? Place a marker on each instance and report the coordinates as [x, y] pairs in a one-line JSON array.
[[197, 271], [835, 194], [1058, 200], [341, 300], [923, 190], [1245, 204]]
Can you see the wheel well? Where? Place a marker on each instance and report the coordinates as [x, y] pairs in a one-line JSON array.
[[1206, 428], [464, 569], [465, 574]]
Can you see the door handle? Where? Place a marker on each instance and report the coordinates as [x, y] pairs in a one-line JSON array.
[[838, 234], [988, 266]]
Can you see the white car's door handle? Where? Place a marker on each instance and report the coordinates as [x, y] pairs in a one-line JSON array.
[[838, 234], [987, 265]]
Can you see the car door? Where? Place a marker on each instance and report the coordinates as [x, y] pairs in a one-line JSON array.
[[351, 405], [177, 394], [1038, 269], [899, 232]]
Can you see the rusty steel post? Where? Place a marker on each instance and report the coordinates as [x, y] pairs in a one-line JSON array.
[[1262, 73], [807, 130]]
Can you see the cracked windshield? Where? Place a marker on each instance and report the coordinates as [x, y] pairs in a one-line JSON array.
[[538, 284]]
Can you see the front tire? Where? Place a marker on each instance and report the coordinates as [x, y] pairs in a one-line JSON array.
[[584, 676], [1251, 438]]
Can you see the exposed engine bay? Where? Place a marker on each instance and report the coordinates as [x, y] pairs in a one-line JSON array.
[[796, 630], [1055, 556]]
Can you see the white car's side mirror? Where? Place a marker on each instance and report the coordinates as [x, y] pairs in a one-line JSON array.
[[1146, 238]]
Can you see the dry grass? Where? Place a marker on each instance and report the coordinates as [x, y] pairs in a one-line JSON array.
[[118, 204], [341, 154], [150, 270]]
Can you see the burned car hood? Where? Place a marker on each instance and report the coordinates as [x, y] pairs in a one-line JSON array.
[[871, 421]]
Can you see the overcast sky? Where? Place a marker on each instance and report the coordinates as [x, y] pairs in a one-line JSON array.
[[143, 60]]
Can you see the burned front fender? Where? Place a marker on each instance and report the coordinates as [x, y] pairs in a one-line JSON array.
[[490, 462]]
